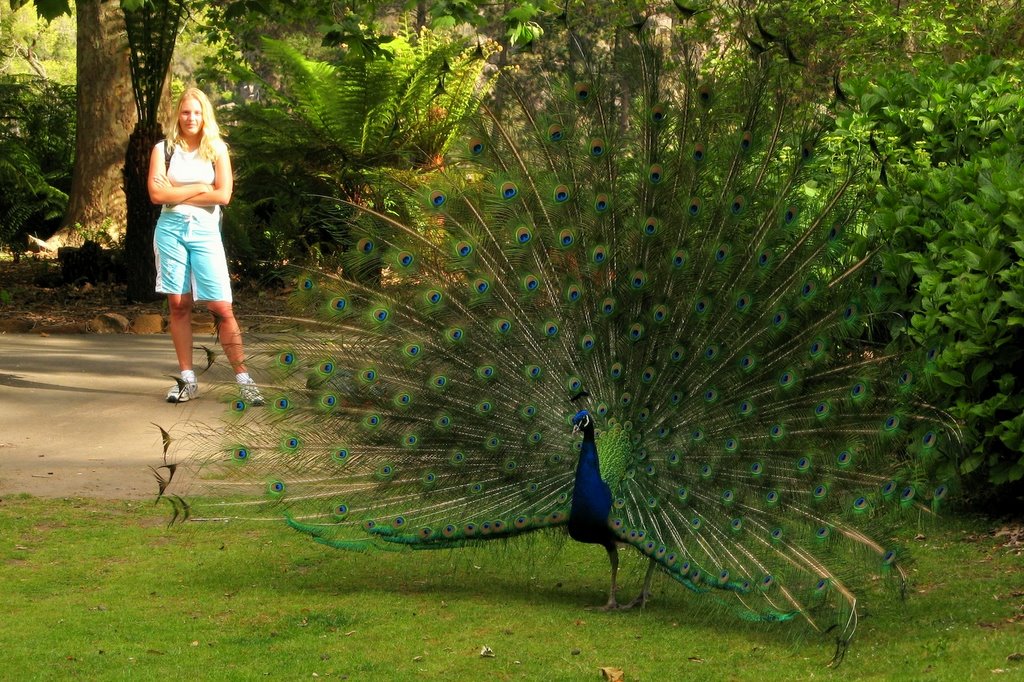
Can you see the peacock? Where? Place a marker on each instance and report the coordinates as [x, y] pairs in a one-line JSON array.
[[637, 305]]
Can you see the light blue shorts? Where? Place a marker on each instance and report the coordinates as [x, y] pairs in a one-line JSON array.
[[190, 257]]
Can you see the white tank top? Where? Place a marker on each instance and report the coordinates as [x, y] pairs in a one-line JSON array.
[[187, 168]]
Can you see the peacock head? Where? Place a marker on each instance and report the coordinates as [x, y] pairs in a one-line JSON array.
[[581, 421]]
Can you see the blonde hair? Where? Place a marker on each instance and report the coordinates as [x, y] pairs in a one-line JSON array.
[[210, 143]]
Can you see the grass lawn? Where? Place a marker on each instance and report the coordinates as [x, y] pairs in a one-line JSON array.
[[104, 590]]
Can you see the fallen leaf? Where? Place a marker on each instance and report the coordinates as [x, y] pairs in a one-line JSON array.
[[486, 652], [613, 674], [695, 659]]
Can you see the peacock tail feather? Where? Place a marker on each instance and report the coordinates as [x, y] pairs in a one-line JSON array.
[[681, 258]]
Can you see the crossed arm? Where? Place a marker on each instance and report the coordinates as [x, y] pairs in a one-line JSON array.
[[162, 191]]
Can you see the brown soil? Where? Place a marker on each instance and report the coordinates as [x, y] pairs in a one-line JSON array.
[[31, 291]]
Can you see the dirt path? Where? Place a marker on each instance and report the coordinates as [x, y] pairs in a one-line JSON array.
[[77, 413]]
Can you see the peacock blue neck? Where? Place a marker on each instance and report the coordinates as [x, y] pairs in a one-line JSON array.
[[591, 496]]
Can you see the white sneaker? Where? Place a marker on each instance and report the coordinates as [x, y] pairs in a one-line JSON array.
[[182, 393], [251, 394]]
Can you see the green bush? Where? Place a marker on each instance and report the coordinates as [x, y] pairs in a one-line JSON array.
[[330, 133], [37, 138], [950, 138]]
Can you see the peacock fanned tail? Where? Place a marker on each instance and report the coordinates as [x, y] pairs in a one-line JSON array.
[[675, 250]]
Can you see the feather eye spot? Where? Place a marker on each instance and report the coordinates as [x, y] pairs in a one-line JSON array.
[[929, 440], [822, 533], [443, 422], [658, 113], [403, 400], [889, 558], [940, 492], [822, 409], [772, 497], [803, 465], [523, 235], [835, 232], [240, 454], [698, 152], [694, 207], [481, 286], [746, 408], [704, 95], [286, 359], [844, 459], [908, 494], [701, 305], [679, 259], [587, 342], [555, 132], [601, 203], [655, 173], [528, 411], [503, 327], [636, 332], [574, 384], [566, 238], [648, 375], [598, 255], [817, 349], [380, 315], [573, 293], [476, 146], [728, 496], [776, 432], [275, 488], [455, 334], [339, 304], [508, 190], [722, 254], [738, 204], [743, 302], [530, 283], [776, 534], [533, 371], [433, 297], [439, 381], [290, 443], [438, 198], [581, 91], [616, 370], [412, 350], [756, 469], [710, 395], [850, 313], [282, 403], [746, 141], [372, 421], [561, 194], [486, 372], [550, 329], [405, 259], [608, 307], [779, 319], [365, 246], [492, 442], [860, 504], [892, 423], [596, 147], [790, 215], [787, 379], [764, 258], [820, 492], [711, 352], [238, 405], [626, 399], [888, 488], [682, 494], [659, 314], [706, 471], [308, 284], [368, 375], [697, 435]]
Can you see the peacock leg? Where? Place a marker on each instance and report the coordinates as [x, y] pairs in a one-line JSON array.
[[645, 591], [613, 558]]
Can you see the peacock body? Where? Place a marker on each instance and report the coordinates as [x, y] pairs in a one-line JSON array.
[[635, 308]]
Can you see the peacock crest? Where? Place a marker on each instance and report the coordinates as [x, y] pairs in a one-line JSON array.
[[676, 254]]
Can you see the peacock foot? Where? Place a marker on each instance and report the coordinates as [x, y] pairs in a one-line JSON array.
[[640, 600]]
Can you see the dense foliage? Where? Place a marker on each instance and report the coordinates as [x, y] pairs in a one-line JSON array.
[[953, 217], [329, 133], [37, 120]]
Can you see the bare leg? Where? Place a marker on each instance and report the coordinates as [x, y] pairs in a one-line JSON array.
[[645, 591], [181, 328], [228, 333]]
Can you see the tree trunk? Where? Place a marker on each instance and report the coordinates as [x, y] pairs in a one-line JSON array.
[[139, 261], [106, 116]]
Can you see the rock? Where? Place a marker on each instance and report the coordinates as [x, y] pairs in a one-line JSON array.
[[109, 323], [15, 326], [149, 323]]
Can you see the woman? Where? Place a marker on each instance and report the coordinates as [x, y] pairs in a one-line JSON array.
[[192, 183]]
